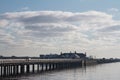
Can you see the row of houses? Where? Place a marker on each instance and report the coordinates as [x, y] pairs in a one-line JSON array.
[[70, 55]]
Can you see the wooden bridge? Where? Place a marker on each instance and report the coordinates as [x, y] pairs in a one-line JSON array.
[[24, 66]]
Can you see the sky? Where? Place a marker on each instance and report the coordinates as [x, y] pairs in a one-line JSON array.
[[34, 27]]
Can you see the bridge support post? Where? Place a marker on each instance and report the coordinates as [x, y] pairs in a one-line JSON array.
[[4, 73], [84, 62], [50, 66], [1, 71], [53, 66], [33, 68], [38, 68], [17, 69], [7, 70], [42, 67], [11, 68], [27, 68], [22, 69], [10, 71], [46, 67]]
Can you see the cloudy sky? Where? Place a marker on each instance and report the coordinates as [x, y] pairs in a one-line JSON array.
[[33, 27]]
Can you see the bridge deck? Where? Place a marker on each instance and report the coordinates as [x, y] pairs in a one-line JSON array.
[[33, 61]]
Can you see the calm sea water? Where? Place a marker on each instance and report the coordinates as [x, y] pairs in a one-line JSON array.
[[109, 71]]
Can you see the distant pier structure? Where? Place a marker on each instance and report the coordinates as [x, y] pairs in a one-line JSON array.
[[20, 67], [12, 66]]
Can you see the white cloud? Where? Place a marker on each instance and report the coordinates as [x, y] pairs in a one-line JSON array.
[[114, 9], [59, 30]]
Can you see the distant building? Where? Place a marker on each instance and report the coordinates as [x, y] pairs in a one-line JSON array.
[[74, 55], [49, 56], [69, 55], [81, 55]]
